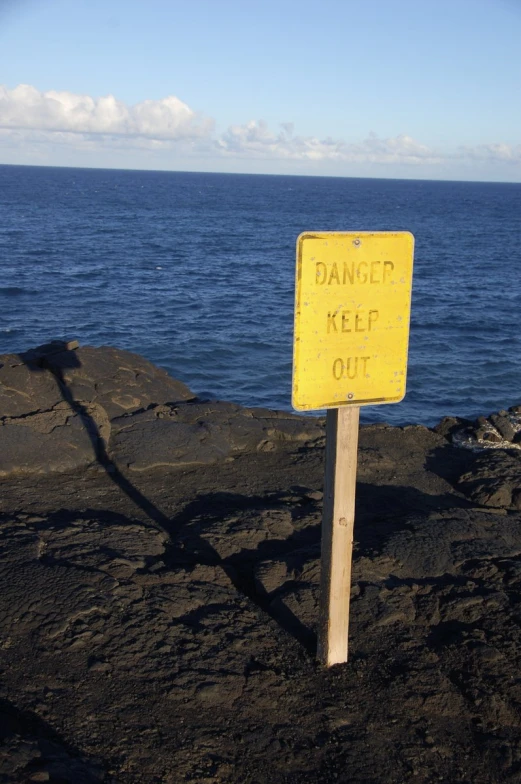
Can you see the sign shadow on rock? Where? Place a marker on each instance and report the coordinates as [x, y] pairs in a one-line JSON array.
[[195, 538], [40, 360], [200, 550]]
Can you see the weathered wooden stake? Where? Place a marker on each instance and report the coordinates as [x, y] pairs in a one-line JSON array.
[[337, 533]]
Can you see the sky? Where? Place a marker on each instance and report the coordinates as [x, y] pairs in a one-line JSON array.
[[427, 89]]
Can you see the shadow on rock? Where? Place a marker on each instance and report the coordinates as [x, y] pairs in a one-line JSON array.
[[449, 462], [189, 546], [237, 533], [488, 477], [383, 510], [39, 360], [34, 751]]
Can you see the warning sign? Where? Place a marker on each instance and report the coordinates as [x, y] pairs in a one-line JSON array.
[[352, 311]]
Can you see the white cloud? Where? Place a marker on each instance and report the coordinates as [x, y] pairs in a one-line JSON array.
[[38, 125], [492, 152], [255, 139], [26, 108]]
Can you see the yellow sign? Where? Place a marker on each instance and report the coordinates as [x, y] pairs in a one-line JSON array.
[[352, 309]]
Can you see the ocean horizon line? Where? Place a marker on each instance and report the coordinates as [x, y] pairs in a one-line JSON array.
[[265, 175]]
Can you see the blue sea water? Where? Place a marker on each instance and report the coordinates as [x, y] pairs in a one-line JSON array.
[[196, 272]]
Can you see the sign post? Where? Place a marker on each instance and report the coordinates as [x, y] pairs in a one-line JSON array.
[[352, 310]]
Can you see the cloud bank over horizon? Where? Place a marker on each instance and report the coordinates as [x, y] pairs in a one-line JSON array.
[[44, 121], [25, 108]]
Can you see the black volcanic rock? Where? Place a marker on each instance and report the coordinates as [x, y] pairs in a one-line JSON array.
[[494, 480], [160, 581], [64, 407]]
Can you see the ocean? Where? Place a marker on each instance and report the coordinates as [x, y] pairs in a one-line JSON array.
[[196, 272]]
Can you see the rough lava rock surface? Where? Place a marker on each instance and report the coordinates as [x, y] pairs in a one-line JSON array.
[[159, 591], [63, 407]]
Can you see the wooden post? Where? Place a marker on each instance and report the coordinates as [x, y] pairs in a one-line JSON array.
[[337, 533]]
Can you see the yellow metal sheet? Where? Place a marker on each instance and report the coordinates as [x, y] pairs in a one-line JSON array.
[[352, 310]]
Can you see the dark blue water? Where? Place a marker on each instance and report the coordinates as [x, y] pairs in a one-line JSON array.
[[196, 272]]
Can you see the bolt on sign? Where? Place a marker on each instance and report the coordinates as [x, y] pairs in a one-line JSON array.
[[352, 311], [353, 301]]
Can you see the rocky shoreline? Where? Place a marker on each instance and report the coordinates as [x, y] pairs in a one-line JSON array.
[[159, 583]]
